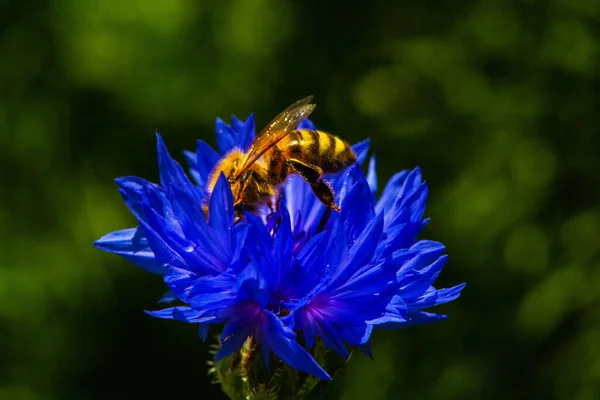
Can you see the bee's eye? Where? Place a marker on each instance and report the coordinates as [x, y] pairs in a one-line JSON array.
[[244, 176]]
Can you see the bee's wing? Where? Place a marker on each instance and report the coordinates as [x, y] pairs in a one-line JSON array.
[[276, 130]]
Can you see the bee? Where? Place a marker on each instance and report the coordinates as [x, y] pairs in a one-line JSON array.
[[280, 150]]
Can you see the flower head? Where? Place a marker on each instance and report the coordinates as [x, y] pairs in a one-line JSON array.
[[287, 280]]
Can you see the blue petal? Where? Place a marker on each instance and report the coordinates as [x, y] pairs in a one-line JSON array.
[[163, 252], [408, 208], [167, 297], [360, 253], [253, 286], [215, 295], [437, 297], [238, 328], [429, 250], [237, 124], [155, 203], [239, 134], [206, 159], [331, 338], [368, 280], [357, 210], [183, 314], [304, 207], [272, 334], [357, 335], [171, 172], [282, 247], [307, 269], [131, 189], [416, 319], [211, 249], [246, 132], [232, 344], [397, 237], [192, 160], [225, 136], [259, 248], [337, 248], [221, 206], [203, 331], [361, 149], [180, 281], [391, 191], [372, 177], [425, 279], [133, 246]]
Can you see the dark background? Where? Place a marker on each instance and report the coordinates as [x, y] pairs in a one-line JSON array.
[[495, 100]]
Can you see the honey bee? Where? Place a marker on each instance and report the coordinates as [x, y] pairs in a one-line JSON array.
[[278, 151]]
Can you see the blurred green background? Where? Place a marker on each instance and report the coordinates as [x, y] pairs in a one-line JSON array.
[[495, 100]]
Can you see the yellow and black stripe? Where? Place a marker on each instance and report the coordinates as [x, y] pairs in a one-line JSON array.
[[325, 150], [313, 148]]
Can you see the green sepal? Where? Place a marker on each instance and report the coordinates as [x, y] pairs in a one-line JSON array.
[[245, 376]]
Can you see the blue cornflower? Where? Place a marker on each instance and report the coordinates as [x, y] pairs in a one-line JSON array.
[[303, 269]]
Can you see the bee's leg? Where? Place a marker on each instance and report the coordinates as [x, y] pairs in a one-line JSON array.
[[238, 214], [272, 204], [272, 209], [312, 174], [323, 191]]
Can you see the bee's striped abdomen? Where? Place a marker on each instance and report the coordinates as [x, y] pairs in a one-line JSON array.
[[327, 151], [313, 148]]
